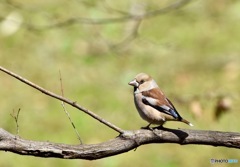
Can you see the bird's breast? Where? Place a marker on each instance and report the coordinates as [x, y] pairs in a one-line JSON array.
[[147, 113]]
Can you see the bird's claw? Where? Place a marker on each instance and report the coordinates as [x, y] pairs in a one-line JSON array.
[[147, 128], [159, 127]]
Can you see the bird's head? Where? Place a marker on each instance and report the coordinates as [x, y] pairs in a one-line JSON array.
[[143, 82]]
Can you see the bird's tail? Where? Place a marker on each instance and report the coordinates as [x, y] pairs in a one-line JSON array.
[[186, 122]]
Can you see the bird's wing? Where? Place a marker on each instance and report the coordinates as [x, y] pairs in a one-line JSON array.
[[156, 99]]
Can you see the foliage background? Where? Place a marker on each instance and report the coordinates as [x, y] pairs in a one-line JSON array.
[[192, 52]]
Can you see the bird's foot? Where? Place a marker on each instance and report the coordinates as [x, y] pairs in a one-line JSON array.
[[159, 127], [147, 127]]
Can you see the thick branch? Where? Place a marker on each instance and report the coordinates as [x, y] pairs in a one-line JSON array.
[[129, 140]]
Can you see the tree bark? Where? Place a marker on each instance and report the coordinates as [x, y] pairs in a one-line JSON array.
[[127, 141]]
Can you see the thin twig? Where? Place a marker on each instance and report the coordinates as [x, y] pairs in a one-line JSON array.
[[127, 17], [15, 117], [111, 9], [129, 38], [70, 102], [132, 26], [67, 113]]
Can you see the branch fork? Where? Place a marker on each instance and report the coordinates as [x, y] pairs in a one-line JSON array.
[[126, 141]]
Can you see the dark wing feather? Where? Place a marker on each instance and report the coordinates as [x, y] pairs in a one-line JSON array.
[[174, 109], [157, 107], [162, 104]]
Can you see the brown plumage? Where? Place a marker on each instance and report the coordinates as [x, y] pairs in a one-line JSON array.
[[156, 93], [151, 103]]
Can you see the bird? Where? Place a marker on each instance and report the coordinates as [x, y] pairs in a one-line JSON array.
[[152, 104]]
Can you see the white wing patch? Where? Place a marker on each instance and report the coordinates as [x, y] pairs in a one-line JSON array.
[[154, 102], [165, 107], [150, 100]]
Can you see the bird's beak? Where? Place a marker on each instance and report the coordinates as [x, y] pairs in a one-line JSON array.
[[134, 83]]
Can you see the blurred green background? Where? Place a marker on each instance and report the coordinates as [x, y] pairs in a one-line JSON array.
[[193, 53]]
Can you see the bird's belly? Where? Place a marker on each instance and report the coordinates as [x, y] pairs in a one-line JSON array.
[[148, 113]]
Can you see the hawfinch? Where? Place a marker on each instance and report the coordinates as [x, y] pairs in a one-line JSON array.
[[151, 103]]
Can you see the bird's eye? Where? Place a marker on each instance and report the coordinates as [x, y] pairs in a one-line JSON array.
[[142, 81]]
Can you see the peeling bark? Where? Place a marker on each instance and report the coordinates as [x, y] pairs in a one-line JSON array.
[[127, 141]]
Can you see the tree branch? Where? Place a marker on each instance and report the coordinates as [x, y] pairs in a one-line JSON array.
[[72, 103], [128, 16], [129, 140], [126, 141]]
